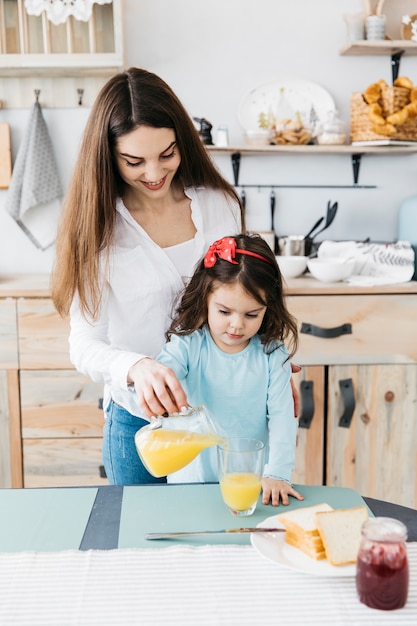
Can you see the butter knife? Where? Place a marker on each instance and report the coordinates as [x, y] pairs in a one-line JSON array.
[[213, 532]]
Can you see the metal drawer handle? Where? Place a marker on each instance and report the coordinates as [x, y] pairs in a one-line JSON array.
[[307, 403], [348, 396], [326, 333]]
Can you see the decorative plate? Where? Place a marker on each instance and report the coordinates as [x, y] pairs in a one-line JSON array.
[[310, 100]]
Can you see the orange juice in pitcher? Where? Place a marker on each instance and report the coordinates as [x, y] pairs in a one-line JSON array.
[[168, 444]]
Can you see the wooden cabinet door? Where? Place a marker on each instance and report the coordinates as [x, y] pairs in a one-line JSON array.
[[62, 462], [60, 403], [9, 358], [309, 468], [43, 335], [377, 453], [62, 428]]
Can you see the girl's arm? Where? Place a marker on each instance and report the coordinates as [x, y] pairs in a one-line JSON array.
[[282, 427]]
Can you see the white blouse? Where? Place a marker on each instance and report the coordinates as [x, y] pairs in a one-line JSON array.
[[141, 285]]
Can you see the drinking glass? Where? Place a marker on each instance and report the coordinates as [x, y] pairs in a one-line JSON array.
[[240, 467]]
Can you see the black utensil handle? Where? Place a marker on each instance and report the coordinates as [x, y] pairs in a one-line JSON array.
[[326, 333], [307, 403], [272, 207], [348, 395]]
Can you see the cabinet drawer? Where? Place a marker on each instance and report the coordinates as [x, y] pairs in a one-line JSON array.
[[43, 335], [60, 403], [62, 462], [382, 328], [9, 358]]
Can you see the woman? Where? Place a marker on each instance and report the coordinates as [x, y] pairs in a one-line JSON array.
[[143, 204]]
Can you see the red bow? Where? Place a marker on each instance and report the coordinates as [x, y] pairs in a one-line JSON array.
[[223, 249]]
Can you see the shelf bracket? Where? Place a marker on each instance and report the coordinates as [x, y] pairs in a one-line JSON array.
[[356, 165], [236, 167], [395, 63]]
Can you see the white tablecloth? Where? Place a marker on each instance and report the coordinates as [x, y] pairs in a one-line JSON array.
[[182, 585]]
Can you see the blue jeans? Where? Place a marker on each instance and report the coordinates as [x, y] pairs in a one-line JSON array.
[[121, 460]]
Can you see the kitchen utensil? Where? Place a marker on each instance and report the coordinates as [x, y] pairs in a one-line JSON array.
[[243, 199], [316, 225], [213, 532], [331, 214], [292, 245], [272, 207]]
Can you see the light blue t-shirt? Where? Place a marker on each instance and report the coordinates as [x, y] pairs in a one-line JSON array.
[[248, 394]]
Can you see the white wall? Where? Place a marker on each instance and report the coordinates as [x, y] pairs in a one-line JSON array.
[[212, 54]]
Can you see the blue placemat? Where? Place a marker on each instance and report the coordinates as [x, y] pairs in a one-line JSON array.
[[164, 508], [44, 520]]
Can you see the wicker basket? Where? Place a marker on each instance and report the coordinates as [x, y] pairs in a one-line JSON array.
[[392, 99]]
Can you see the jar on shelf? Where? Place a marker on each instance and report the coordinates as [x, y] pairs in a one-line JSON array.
[[382, 573], [332, 131]]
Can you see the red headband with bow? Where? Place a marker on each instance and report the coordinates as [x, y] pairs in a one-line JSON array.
[[226, 249]]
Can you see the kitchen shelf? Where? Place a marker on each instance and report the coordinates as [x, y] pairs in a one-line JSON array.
[[395, 48], [32, 44], [379, 48], [356, 153]]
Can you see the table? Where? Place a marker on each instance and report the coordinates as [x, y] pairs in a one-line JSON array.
[[77, 556]]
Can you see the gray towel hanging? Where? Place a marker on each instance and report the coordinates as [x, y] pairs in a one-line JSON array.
[[35, 191]]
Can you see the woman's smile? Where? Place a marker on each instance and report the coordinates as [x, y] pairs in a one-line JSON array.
[[154, 186]]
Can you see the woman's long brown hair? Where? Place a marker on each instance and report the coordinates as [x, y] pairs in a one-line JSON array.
[[260, 278], [128, 100]]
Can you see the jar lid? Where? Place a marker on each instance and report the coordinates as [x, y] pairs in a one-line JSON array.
[[384, 529]]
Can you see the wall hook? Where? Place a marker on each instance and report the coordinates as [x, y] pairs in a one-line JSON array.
[[80, 96], [37, 94]]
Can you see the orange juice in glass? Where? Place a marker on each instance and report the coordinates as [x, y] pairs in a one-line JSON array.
[[168, 444], [240, 466]]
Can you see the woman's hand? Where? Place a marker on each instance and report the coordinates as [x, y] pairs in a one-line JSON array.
[[295, 369], [273, 490], [158, 390]]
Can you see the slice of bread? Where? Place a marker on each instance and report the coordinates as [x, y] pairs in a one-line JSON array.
[[340, 531], [302, 532], [302, 521], [313, 548]]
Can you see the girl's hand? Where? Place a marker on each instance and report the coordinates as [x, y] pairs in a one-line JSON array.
[[158, 390], [273, 490]]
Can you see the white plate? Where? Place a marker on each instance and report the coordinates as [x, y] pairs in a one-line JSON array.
[[302, 95], [276, 549]]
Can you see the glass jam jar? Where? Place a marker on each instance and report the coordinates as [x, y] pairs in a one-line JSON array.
[[382, 574]]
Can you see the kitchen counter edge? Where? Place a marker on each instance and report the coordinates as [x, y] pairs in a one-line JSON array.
[[38, 286]]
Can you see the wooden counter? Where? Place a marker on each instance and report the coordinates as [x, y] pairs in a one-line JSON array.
[[25, 286], [38, 286]]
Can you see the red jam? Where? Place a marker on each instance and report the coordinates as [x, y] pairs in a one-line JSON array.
[[382, 575]]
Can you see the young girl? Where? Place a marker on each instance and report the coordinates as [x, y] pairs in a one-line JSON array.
[[226, 348]]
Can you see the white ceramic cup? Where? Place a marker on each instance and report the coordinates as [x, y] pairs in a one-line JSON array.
[[375, 27]]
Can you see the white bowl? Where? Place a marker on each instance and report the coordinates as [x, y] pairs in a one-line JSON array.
[[330, 270], [291, 266], [260, 137]]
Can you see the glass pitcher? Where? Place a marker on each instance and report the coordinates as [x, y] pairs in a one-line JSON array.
[[168, 444]]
